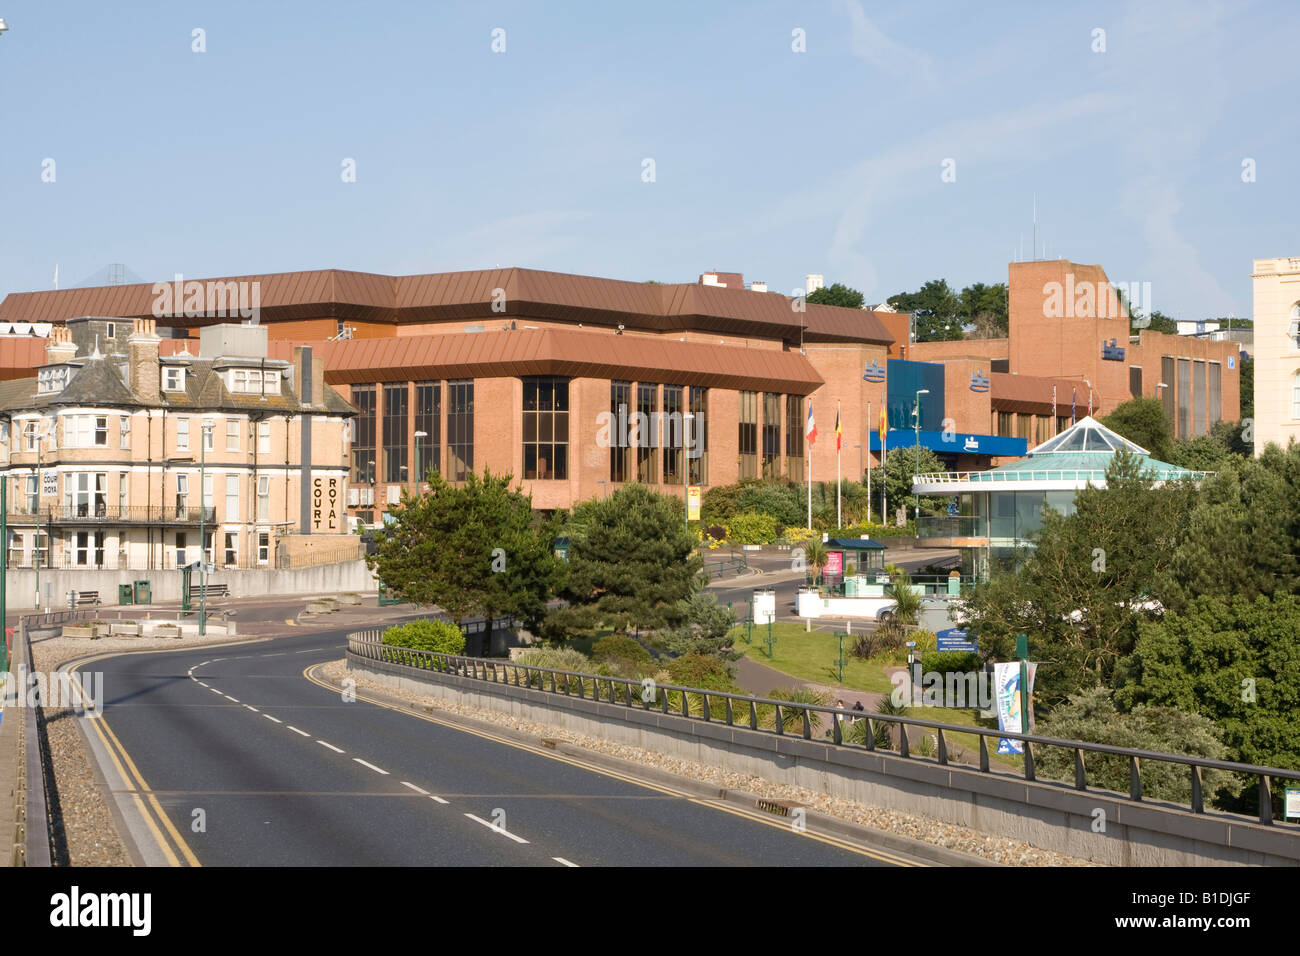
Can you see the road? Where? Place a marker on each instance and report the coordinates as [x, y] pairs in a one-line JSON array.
[[234, 758]]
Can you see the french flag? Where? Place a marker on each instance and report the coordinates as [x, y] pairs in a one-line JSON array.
[[810, 433]]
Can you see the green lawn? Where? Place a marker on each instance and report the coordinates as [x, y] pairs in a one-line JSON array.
[[811, 657]]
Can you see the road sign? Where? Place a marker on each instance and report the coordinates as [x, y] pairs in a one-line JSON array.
[[955, 639]]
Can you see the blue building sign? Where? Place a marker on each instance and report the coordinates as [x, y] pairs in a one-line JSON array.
[[1112, 352], [979, 382], [873, 371]]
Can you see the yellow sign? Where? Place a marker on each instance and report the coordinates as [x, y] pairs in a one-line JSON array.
[[325, 504], [693, 503]]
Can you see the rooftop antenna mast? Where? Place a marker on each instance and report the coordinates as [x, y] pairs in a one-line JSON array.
[[1035, 227]]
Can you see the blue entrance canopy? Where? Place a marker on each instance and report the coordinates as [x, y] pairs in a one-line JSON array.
[[955, 443]]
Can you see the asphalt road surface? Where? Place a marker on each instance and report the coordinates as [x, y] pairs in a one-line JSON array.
[[230, 756]]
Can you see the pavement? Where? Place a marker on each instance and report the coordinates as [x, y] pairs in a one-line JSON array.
[[282, 771]]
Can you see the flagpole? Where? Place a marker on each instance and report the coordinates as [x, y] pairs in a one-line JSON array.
[[868, 463], [839, 517]]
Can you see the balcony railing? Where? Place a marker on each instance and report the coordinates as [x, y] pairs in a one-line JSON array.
[[962, 526], [104, 513]]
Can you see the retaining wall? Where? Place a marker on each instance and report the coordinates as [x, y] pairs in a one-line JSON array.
[[1052, 817]]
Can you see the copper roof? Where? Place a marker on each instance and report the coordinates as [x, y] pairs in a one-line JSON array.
[[1032, 394], [338, 294], [577, 353]]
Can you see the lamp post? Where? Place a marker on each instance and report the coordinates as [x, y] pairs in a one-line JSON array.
[[420, 467], [203, 543], [916, 414], [36, 558], [687, 418]]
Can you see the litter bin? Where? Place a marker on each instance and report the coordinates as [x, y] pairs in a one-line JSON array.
[[142, 593], [125, 594]]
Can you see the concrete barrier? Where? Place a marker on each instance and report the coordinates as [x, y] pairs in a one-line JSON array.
[[1044, 814], [166, 584]]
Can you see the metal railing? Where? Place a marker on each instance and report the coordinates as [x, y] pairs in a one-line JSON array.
[[351, 548], [997, 477], [632, 693], [959, 526], [104, 513], [718, 564]]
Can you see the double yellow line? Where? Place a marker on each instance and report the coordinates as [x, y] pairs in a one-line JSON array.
[[754, 815], [146, 803]]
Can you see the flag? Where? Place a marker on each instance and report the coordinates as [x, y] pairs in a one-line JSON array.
[[1089, 403], [884, 427], [810, 432], [839, 437], [1074, 398], [1053, 409]]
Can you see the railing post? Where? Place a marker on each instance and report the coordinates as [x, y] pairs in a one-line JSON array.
[[1029, 760], [566, 685], [780, 726], [753, 715], [943, 746], [904, 748], [705, 708], [1198, 801], [730, 715], [871, 734], [686, 704], [837, 732], [1080, 772], [807, 725], [1265, 800], [1134, 779]]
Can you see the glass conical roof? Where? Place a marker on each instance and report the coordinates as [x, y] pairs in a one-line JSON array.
[[1087, 434]]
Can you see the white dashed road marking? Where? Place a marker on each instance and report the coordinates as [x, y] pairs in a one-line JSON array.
[[276, 719], [415, 788], [496, 829], [560, 859], [370, 766], [252, 708], [228, 697], [330, 746], [439, 799], [297, 731]]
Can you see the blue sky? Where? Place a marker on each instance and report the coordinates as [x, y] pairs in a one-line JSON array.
[[767, 161]]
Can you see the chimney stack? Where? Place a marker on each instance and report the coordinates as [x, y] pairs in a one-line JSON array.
[[60, 348], [144, 376], [308, 376]]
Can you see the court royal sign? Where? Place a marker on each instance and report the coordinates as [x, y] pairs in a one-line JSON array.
[[325, 494]]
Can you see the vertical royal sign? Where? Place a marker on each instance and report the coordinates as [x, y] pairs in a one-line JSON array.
[[325, 504]]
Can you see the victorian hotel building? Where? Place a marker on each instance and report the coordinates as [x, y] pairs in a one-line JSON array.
[[125, 444]]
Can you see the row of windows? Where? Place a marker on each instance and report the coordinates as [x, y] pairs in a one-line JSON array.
[[86, 494], [92, 431], [393, 429], [246, 381], [680, 428], [759, 443], [87, 549]]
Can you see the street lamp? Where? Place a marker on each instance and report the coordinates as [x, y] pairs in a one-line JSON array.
[[203, 543], [687, 418], [419, 457], [916, 414]]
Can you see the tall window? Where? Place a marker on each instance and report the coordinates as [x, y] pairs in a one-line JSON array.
[[647, 403], [771, 434], [232, 434], [674, 445], [363, 442], [1167, 393], [794, 437], [182, 434], [263, 497], [620, 400], [263, 547], [33, 496], [182, 494], [180, 549], [1184, 398], [232, 551], [263, 438], [546, 427], [697, 439], [1135, 381], [428, 419], [124, 432], [747, 435], [85, 494], [1216, 392], [395, 409], [460, 429], [207, 492], [232, 497], [1005, 426], [123, 493]]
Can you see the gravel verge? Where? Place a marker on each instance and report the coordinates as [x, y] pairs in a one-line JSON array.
[[935, 832], [85, 832]]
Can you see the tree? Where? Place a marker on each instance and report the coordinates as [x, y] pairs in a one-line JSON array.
[[937, 310], [900, 465], [985, 307], [475, 549], [1235, 661], [837, 294], [1087, 582], [1143, 422], [1091, 715], [1156, 322], [1247, 366], [630, 565], [1243, 533], [704, 627]]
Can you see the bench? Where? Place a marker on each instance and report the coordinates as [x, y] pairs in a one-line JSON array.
[[212, 590], [87, 598]]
